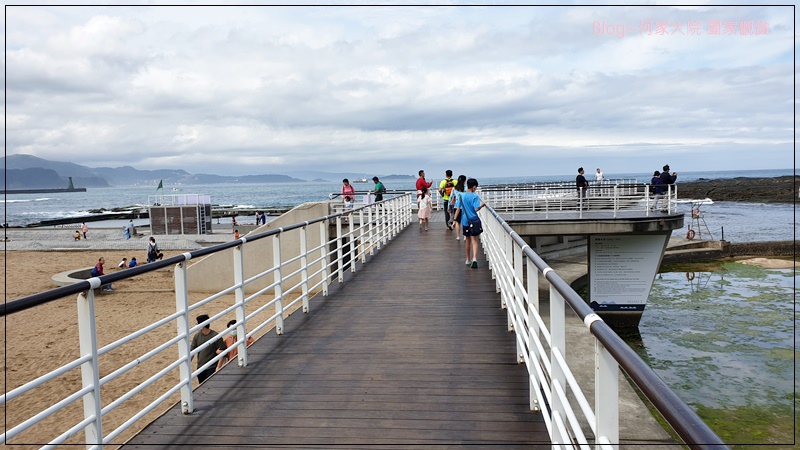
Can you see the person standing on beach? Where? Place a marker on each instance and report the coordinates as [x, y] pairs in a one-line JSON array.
[[207, 354], [230, 342], [445, 189], [132, 228], [84, 229], [422, 183]]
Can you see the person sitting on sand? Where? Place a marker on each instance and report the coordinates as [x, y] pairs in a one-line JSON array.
[[77, 235], [153, 254], [97, 271], [123, 264], [132, 263]]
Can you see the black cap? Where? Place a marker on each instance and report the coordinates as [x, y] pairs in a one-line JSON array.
[[666, 167]]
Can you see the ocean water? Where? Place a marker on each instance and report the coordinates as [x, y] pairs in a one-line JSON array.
[[723, 338], [740, 222]]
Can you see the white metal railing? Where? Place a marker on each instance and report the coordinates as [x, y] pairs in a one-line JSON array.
[[367, 229], [554, 199], [553, 389]]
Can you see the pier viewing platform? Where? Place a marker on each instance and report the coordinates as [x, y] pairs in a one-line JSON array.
[[371, 333]]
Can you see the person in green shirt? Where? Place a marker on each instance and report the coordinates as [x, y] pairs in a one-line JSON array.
[[379, 189], [207, 354]]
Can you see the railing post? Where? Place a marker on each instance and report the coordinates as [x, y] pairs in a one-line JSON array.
[[518, 297], [238, 294], [304, 265], [371, 230], [278, 273], [339, 245], [90, 370], [616, 200], [184, 345], [393, 221], [558, 343], [323, 254], [606, 395], [533, 330], [362, 243]]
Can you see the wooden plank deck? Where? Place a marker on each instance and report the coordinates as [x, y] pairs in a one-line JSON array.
[[411, 351]]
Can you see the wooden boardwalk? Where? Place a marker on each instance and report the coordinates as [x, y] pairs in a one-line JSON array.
[[411, 351]]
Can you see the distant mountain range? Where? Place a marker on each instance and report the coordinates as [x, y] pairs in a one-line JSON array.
[[31, 172]]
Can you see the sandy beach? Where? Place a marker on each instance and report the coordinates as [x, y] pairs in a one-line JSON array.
[[43, 338]]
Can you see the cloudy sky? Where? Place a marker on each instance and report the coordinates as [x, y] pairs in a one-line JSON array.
[[484, 90]]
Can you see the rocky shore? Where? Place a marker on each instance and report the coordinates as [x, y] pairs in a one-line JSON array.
[[761, 190]]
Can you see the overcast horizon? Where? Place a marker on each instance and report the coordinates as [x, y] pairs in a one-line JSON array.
[[488, 90]]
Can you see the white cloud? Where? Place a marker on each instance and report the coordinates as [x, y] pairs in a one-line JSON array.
[[213, 89]]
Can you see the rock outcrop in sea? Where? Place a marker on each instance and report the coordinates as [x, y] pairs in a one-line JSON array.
[[759, 190]]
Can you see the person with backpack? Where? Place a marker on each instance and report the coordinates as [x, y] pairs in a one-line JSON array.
[[380, 189], [445, 189], [153, 254], [655, 189]]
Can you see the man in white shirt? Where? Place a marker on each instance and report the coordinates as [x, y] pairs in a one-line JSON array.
[[599, 175]]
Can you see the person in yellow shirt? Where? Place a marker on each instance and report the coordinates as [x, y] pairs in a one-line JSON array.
[[445, 189]]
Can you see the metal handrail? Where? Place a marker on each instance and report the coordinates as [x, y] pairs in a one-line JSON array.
[[558, 198], [512, 260], [378, 224]]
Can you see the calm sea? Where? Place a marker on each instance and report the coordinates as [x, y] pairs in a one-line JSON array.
[[740, 222]]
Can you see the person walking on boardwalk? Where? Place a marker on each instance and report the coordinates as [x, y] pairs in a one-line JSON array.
[[380, 189], [424, 204], [445, 190], [207, 354], [581, 184], [84, 229], [422, 183], [470, 204], [455, 196], [348, 194]]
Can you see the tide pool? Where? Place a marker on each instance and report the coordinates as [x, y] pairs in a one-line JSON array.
[[722, 336]]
